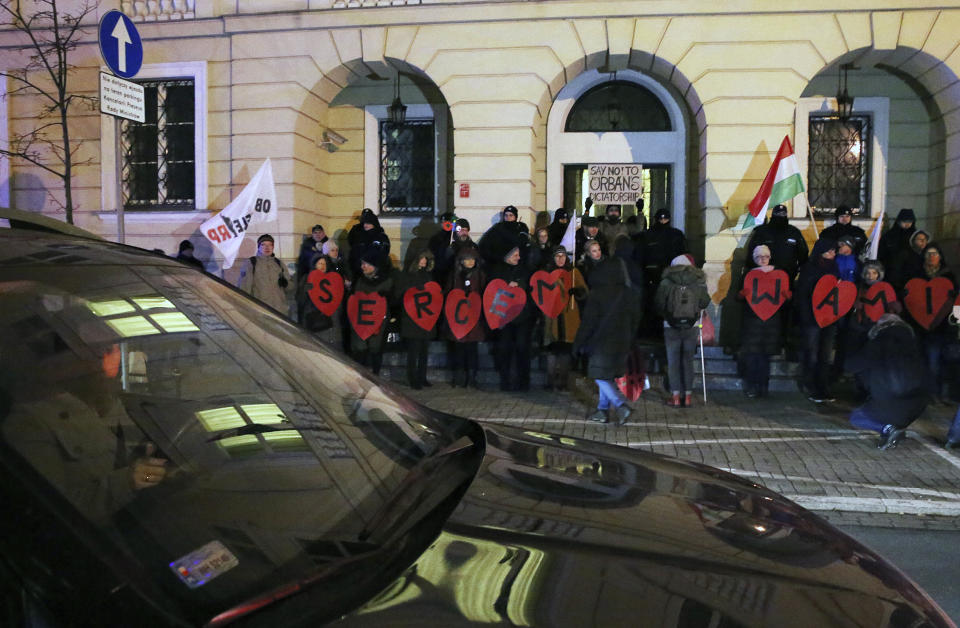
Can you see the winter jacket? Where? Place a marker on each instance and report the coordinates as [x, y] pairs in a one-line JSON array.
[[470, 281], [267, 279], [521, 275], [894, 371], [943, 329], [674, 276], [382, 285], [563, 328], [503, 237], [757, 335], [661, 243], [837, 230], [811, 272], [609, 323], [311, 318], [414, 277], [368, 243], [788, 249], [896, 239]]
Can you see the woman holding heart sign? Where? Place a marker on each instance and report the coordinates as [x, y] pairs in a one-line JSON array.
[[422, 302], [765, 289], [367, 311], [818, 310], [560, 330], [506, 306], [462, 313]]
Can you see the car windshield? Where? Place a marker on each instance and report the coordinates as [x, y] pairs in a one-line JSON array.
[[225, 450]]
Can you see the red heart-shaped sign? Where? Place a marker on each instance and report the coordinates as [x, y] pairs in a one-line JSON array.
[[366, 311], [550, 291], [877, 299], [463, 312], [766, 292], [325, 290], [929, 300], [832, 299], [423, 305], [502, 303]]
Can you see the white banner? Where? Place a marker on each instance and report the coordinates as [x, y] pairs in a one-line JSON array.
[[255, 204], [616, 184]]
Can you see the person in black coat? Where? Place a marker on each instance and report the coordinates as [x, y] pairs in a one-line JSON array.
[[908, 262], [759, 338], [788, 248], [416, 338], [892, 370], [557, 228], [589, 230], [817, 342], [661, 245], [365, 237], [606, 332], [942, 333], [844, 227], [504, 235], [185, 255], [513, 339], [896, 239], [440, 242]]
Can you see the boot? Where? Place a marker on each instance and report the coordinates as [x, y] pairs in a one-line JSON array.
[[688, 400], [472, 380], [551, 372], [563, 372], [674, 401]]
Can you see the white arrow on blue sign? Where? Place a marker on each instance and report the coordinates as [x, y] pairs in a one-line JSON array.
[[120, 44]]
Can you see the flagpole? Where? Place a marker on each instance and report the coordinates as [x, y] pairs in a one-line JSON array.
[[810, 213]]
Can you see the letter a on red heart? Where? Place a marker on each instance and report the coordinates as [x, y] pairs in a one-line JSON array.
[[550, 291], [928, 300], [366, 311], [832, 299], [423, 305], [462, 311], [766, 292], [325, 291], [502, 303]]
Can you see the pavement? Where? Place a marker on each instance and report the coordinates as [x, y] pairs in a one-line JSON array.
[[807, 452]]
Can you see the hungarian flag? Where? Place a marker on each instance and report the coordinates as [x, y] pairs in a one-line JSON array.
[[781, 184]]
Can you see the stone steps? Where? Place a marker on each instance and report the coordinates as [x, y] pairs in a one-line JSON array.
[[721, 368]]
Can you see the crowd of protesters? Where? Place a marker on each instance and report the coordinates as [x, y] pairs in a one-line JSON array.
[[891, 353], [624, 281]]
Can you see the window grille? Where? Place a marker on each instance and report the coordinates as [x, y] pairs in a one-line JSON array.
[[407, 168], [839, 164], [618, 106], [158, 155]]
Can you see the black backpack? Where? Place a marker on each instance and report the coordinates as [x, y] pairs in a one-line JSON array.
[[681, 308]]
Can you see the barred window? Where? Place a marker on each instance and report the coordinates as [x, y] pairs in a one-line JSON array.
[[839, 164], [158, 155], [618, 106], [407, 165]]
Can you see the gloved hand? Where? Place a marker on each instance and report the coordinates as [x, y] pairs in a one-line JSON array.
[[639, 204], [587, 204]]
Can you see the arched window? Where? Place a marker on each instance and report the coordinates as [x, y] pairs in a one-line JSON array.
[[618, 106]]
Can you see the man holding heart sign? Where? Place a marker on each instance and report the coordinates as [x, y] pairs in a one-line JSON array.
[[367, 310], [422, 301], [506, 307]]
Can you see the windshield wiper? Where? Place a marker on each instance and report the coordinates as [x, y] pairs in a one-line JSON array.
[[416, 473]]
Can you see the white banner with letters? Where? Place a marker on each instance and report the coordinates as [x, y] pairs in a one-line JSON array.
[[255, 204], [616, 184]]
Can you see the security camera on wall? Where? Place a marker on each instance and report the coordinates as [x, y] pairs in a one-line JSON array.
[[332, 139]]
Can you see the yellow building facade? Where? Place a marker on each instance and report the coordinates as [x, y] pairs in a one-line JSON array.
[[307, 84]]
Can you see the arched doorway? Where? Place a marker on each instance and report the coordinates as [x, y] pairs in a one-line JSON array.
[[621, 118]]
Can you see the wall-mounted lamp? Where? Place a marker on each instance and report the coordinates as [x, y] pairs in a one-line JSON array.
[[398, 110], [844, 99], [613, 114]]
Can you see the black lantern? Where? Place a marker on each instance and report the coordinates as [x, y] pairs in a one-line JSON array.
[[398, 110], [844, 99]]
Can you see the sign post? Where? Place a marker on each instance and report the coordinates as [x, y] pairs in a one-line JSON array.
[[122, 51]]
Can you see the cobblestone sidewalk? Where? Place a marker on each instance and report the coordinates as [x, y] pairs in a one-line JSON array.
[[806, 452]]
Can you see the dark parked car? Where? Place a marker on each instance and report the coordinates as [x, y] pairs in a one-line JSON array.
[[174, 453]]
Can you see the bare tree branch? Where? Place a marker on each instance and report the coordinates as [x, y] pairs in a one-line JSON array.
[[52, 35]]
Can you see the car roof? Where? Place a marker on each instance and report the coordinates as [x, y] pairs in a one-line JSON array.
[[19, 219]]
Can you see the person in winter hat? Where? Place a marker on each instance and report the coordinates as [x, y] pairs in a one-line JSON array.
[[896, 239], [513, 339], [612, 227], [844, 227], [589, 230], [759, 338], [818, 342], [682, 286], [557, 228], [941, 332], [788, 248], [606, 334], [560, 332], [892, 370], [265, 277], [417, 339], [466, 275], [366, 236], [503, 235], [372, 278]]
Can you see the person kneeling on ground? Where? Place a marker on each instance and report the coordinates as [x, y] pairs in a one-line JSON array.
[[610, 319], [894, 373]]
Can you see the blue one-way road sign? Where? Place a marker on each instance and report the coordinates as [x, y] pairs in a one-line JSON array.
[[120, 44]]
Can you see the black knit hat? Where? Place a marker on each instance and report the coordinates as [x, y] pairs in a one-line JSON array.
[[591, 221], [843, 210], [265, 238], [510, 209], [463, 223]]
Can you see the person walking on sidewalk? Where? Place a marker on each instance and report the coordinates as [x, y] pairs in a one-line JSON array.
[[681, 297], [610, 319], [893, 371]]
